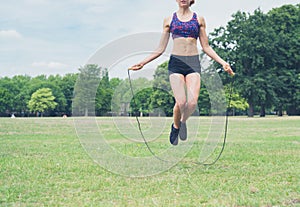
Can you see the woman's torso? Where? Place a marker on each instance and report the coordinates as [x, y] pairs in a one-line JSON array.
[[185, 33]]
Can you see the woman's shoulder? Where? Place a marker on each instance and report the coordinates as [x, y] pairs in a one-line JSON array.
[[199, 17], [168, 19], [201, 20]]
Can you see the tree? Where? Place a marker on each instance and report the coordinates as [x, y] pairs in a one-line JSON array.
[[237, 103], [141, 102], [104, 95], [7, 90], [21, 93], [264, 50], [285, 21], [161, 97], [204, 104], [6, 100], [253, 52], [56, 90], [116, 96], [41, 101], [66, 85], [85, 90]]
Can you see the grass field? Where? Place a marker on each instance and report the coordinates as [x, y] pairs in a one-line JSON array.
[[42, 163]]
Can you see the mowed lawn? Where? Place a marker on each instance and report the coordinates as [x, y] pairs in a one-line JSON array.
[[42, 163]]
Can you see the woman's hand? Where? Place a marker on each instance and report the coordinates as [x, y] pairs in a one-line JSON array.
[[228, 69], [136, 67]]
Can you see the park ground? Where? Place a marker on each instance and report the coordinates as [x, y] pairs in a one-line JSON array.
[[42, 163]]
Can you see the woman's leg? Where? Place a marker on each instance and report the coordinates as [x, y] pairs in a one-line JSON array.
[[178, 86], [186, 92], [192, 82]]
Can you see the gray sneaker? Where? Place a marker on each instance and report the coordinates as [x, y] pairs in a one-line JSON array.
[[183, 131]]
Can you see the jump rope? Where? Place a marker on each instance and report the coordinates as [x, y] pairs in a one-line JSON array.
[[225, 129]]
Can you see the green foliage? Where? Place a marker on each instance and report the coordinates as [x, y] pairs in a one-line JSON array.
[[52, 83], [121, 96], [66, 85], [42, 100], [162, 99], [6, 99], [162, 102], [237, 103], [204, 104], [104, 94], [151, 97], [141, 102], [285, 22], [264, 50], [13, 98], [85, 90]]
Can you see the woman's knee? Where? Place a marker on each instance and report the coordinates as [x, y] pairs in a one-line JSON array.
[[180, 104], [192, 104]]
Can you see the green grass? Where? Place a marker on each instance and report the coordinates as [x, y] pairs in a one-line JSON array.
[[42, 163]]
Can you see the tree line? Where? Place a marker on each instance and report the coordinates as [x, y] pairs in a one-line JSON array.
[[261, 47], [92, 92]]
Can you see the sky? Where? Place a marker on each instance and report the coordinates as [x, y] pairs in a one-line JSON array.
[[58, 36]]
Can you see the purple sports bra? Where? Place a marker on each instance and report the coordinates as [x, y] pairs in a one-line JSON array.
[[185, 29]]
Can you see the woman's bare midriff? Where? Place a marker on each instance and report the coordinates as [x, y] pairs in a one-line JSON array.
[[185, 46]]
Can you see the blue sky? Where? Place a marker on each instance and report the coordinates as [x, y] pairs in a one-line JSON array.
[[57, 37]]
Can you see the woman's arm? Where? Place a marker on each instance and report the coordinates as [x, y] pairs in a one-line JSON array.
[[207, 48], [160, 49]]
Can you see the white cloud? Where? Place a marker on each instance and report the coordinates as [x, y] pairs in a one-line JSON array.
[[51, 65], [13, 34], [97, 9], [36, 1]]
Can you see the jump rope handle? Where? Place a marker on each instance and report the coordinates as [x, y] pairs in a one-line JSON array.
[[220, 70], [135, 68]]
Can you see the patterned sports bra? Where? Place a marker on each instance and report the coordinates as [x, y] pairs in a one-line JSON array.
[[185, 29]]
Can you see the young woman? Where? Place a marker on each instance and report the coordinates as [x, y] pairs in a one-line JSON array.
[[186, 28]]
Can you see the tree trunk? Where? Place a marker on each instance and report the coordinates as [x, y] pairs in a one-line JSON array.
[[280, 112], [262, 111], [251, 109], [86, 112]]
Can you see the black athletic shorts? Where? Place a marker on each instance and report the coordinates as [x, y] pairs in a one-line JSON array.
[[184, 64]]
